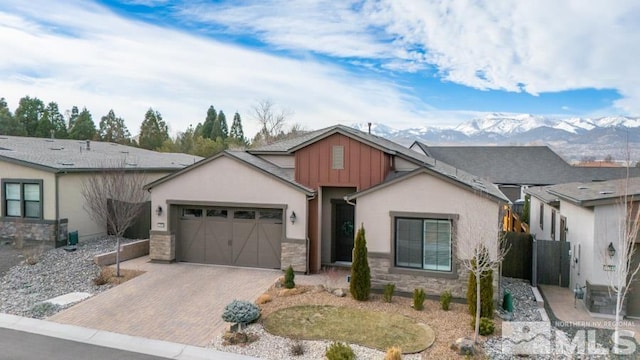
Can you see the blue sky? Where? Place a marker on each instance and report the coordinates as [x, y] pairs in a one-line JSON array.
[[405, 63]]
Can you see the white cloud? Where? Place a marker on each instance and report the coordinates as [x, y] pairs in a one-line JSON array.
[[533, 46], [78, 53]]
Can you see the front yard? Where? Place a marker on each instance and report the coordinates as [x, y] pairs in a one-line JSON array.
[[446, 326]]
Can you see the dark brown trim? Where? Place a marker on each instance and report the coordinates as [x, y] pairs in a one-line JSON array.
[[31, 220], [226, 204], [160, 232], [426, 273], [379, 255], [294, 241]]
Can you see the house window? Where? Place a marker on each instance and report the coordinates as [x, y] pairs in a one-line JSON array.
[[541, 216], [337, 157], [423, 244], [22, 198]]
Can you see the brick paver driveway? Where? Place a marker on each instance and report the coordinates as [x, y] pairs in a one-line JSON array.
[[173, 302]]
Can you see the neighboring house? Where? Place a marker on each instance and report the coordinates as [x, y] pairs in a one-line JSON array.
[[41, 183], [588, 216], [514, 168], [299, 202]]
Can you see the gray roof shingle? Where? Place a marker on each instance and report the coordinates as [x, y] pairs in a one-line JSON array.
[[72, 155], [522, 165], [590, 193]]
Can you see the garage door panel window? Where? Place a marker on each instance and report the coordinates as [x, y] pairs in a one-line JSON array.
[[423, 244], [271, 215], [23, 198], [217, 213], [244, 214], [192, 212]]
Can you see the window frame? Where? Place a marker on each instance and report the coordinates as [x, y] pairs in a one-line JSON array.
[[541, 216], [452, 218], [22, 200], [553, 224]]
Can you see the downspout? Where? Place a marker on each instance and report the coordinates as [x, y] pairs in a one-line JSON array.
[[57, 210]]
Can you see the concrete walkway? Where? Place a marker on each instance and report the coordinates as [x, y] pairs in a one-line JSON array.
[[180, 302], [566, 308]]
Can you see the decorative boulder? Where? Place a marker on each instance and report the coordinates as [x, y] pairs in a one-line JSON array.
[[463, 346]]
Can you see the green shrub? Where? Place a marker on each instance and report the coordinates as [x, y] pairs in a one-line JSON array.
[[360, 284], [418, 298], [289, 275], [393, 353], [445, 300], [339, 351], [240, 312], [387, 295], [487, 325], [296, 348], [486, 290]]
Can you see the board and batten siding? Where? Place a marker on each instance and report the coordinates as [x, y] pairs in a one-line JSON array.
[[364, 166]]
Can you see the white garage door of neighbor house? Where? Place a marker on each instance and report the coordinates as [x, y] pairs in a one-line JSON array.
[[230, 236]]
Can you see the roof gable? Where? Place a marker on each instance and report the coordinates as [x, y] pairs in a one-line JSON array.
[[380, 143], [245, 158]]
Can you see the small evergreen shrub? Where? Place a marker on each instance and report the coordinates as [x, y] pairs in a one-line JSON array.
[[486, 290], [389, 289], [240, 312], [418, 298], [360, 284], [445, 300], [393, 353], [289, 275], [339, 351], [487, 326]]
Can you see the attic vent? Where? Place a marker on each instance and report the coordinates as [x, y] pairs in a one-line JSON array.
[[606, 192], [66, 163], [3, 137], [124, 152], [582, 187], [56, 148], [132, 164], [49, 140]]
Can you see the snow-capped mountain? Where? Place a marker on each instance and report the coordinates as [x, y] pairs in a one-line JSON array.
[[572, 137]]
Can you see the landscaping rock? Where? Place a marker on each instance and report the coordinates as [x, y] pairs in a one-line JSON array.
[[339, 293], [464, 346]]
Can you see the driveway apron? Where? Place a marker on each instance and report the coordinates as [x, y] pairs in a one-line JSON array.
[[179, 302]]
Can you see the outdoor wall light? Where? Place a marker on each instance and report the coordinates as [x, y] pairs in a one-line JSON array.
[[611, 250], [159, 210], [293, 217]]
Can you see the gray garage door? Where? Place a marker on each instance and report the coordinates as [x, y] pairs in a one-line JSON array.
[[230, 236]]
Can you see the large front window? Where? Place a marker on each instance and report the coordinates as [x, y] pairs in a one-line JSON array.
[[423, 244], [22, 198]]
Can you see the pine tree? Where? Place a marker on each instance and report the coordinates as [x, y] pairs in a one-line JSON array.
[[153, 131], [73, 116], [206, 130], [83, 128], [360, 284], [220, 128], [113, 129], [9, 125], [29, 113], [237, 133], [57, 121]]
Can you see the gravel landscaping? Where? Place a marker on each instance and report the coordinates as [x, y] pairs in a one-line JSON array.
[[24, 287]]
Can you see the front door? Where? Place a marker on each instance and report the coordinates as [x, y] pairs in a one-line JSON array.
[[343, 231]]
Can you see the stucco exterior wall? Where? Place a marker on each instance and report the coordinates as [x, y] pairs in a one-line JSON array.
[[580, 225], [72, 204], [477, 216], [14, 171], [228, 181], [421, 193], [544, 232]]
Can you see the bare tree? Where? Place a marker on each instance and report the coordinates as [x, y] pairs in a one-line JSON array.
[[622, 270], [272, 120], [481, 247], [115, 197]]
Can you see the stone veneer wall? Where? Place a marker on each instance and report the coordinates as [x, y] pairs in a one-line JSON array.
[[162, 246], [294, 253], [34, 230], [599, 299]]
